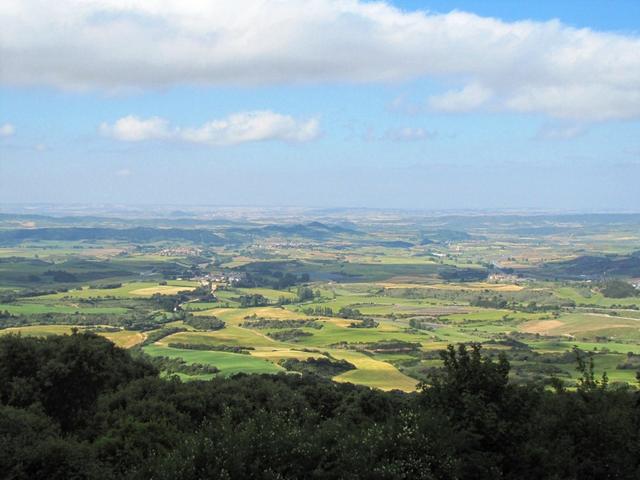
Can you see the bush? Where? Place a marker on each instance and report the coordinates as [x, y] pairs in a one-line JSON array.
[[618, 289], [204, 323], [292, 335]]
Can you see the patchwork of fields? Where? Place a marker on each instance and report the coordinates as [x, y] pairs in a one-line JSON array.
[[340, 306]]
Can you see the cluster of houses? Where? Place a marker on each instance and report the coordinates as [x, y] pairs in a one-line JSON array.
[[216, 280], [180, 252], [504, 278]]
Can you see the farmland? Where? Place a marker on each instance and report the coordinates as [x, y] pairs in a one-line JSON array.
[[380, 298]]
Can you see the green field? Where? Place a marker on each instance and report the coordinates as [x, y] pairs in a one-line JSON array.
[[227, 363], [475, 280]]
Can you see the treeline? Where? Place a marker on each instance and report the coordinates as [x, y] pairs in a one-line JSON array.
[[323, 367], [499, 302], [364, 323], [135, 235], [619, 289], [78, 407], [204, 323], [212, 348], [263, 323], [178, 365], [382, 346], [289, 335], [270, 275]]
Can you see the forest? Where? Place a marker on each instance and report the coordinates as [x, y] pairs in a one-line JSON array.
[[78, 407]]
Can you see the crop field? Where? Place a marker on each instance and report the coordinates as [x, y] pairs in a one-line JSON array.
[[227, 363], [127, 290], [376, 302], [374, 373]]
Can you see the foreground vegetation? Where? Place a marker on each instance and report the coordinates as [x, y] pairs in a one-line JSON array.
[[76, 406]]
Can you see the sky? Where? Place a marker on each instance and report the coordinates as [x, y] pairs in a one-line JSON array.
[[428, 105]]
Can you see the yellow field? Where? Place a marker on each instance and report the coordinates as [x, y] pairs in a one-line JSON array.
[[543, 327], [497, 287], [373, 373], [236, 316], [39, 330], [230, 335], [162, 289], [283, 353], [582, 323], [123, 338]]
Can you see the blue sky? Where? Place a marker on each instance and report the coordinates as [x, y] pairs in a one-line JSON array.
[[379, 111]]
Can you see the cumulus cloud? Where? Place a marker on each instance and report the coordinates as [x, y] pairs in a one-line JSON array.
[[237, 128], [133, 129], [7, 130], [525, 66], [469, 98]]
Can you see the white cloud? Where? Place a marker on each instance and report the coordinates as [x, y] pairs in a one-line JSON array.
[[471, 97], [133, 129], [409, 134], [123, 172], [7, 130], [526, 66], [237, 128]]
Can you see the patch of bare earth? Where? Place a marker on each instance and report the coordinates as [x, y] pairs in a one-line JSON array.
[[541, 326]]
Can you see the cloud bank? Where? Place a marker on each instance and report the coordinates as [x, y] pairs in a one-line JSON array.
[[484, 63], [237, 128]]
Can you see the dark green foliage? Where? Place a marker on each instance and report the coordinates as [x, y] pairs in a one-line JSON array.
[[490, 302], [202, 293], [204, 323], [304, 294], [260, 323], [455, 274], [178, 365], [212, 348], [320, 311], [271, 274], [394, 244], [291, 335], [364, 323], [391, 346], [475, 395], [531, 306], [591, 266], [348, 312], [168, 303], [422, 324], [77, 407], [618, 289], [138, 234], [61, 276], [63, 374], [323, 367], [445, 236], [253, 300], [156, 335], [105, 286]]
